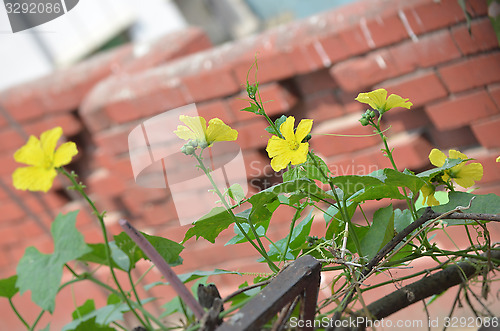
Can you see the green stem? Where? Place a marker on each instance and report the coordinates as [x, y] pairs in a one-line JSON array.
[[131, 281], [18, 314], [78, 187], [393, 163], [262, 252], [32, 328], [89, 277], [292, 226]]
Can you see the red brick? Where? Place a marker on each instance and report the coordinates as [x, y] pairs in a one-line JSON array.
[[10, 235], [360, 73], [22, 103], [11, 211], [11, 140], [257, 164], [452, 138], [386, 30], [353, 39], [159, 213], [211, 84], [273, 65], [113, 141], [105, 183], [403, 119], [421, 88], [471, 72], [276, 98], [3, 121], [215, 109], [429, 50], [334, 145], [335, 48], [461, 110], [321, 107], [494, 91], [70, 124], [8, 165], [481, 38], [135, 198], [314, 82], [433, 15], [252, 134], [360, 163], [148, 96], [308, 57], [411, 151], [487, 132]]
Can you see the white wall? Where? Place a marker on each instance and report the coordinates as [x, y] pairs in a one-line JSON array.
[[37, 51]]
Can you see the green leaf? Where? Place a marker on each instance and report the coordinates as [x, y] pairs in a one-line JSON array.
[[119, 257], [168, 249], [100, 317], [253, 108], [210, 225], [240, 237], [351, 184], [194, 275], [298, 238], [400, 179], [380, 232], [294, 173], [495, 20], [402, 219], [449, 163], [277, 123], [113, 299], [316, 168], [482, 204], [8, 287], [47, 328], [236, 192], [86, 308], [334, 216], [377, 193], [68, 245]]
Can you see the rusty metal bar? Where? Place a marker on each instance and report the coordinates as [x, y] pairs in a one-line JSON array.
[[302, 277]]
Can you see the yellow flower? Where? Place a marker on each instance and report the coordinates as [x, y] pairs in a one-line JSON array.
[[428, 191], [464, 175], [291, 148], [378, 100], [197, 130], [498, 159], [42, 159]]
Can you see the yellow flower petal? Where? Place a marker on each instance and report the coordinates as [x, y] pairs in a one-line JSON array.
[[64, 154], [498, 159], [219, 131], [299, 156], [197, 124], [33, 178], [428, 195], [43, 158], [395, 100], [280, 162], [31, 153], [286, 128], [49, 139], [437, 157], [185, 133], [276, 146], [469, 174], [303, 129], [453, 154], [376, 99]]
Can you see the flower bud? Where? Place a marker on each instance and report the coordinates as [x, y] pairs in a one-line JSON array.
[[251, 90], [307, 138], [193, 143], [187, 149], [364, 121], [202, 144]]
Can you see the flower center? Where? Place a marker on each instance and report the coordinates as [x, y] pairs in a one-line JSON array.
[[293, 144]]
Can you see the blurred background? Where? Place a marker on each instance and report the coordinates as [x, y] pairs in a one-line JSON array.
[[107, 66]]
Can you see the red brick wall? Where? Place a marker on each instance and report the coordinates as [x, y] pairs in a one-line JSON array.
[[314, 68]]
